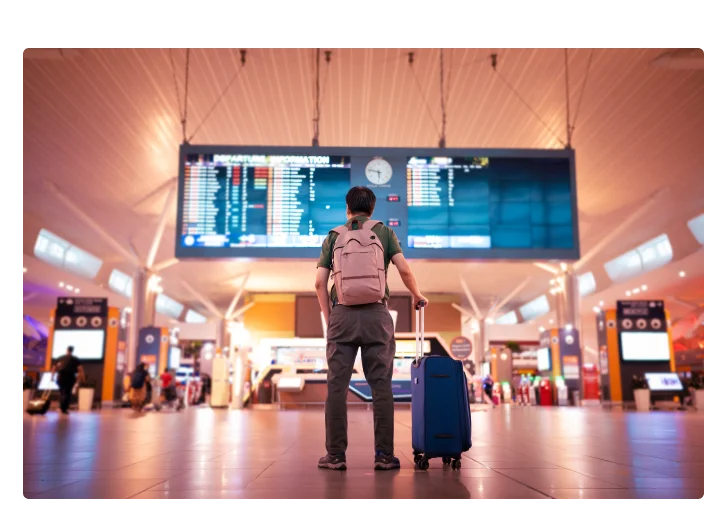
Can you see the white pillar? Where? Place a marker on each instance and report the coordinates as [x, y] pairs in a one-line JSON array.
[[221, 340], [143, 312], [571, 298], [560, 319]]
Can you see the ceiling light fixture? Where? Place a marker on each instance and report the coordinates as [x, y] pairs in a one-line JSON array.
[[682, 273], [644, 287], [541, 329], [628, 293], [636, 291], [61, 285], [24, 270], [601, 303]]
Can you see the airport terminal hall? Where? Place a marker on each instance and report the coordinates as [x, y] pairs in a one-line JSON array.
[[363, 273]]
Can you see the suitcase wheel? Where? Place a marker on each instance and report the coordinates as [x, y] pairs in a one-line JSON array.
[[422, 462], [456, 464], [417, 457], [446, 461]]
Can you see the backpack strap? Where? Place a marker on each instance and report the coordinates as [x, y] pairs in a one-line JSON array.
[[370, 224], [341, 230]]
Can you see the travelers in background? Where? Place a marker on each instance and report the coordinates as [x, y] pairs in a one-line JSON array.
[[488, 385], [138, 387], [67, 367]]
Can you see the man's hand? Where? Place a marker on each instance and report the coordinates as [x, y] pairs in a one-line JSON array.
[[321, 289], [417, 299]]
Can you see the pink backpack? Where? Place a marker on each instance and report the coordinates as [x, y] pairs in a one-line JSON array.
[[358, 265]]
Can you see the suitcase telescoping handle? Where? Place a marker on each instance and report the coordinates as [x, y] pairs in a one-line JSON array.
[[420, 329]]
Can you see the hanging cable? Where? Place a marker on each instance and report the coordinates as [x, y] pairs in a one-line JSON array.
[[441, 143], [185, 95], [182, 112], [567, 99], [243, 61], [494, 62], [411, 59], [178, 93], [316, 104], [328, 58], [581, 94]]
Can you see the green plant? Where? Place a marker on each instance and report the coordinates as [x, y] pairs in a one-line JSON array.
[[512, 346], [639, 382]]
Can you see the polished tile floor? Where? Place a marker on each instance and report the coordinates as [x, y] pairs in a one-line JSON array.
[[518, 453]]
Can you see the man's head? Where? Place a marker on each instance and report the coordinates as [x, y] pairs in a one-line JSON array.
[[69, 350], [360, 202]]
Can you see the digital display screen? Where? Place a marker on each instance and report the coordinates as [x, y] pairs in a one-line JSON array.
[[273, 201], [402, 368], [174, 357], [645, 346], [663, 381], [282, 202], [87, 344], [47, 382], [482, 202], [544, 359]]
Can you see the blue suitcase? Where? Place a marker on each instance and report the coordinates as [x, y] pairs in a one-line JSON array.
[[440, 418]]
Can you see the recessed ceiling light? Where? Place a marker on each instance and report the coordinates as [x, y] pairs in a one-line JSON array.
[[601, 303], [77, 290], [628, 293], [644, 287], [24, 270], [69, 287], [551, 321], [541, 329], [61, 285], [636, 291], [682, 273]]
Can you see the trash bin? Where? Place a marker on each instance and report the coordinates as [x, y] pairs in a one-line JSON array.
[[85, 399], [575, 398]]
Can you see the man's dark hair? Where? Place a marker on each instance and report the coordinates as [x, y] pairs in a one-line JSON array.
[[361, 200], [70, 349]]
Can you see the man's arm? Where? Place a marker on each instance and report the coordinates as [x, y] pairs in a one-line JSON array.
[[321, 288], [409, 280]]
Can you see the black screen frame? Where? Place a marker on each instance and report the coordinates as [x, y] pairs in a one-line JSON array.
[[446, 254]]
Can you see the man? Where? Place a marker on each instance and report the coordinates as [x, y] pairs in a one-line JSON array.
[[67, 367], [488, 385], [368, 326]]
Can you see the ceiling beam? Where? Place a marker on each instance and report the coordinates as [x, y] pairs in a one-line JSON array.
[[211, 307], [644, 207], [107, 236], [462, 310], [469, 295], [161, 225], [508, 297]]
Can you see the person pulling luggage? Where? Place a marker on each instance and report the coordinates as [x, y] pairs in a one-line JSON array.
[[69, 370], [488, 385], [358, 255]]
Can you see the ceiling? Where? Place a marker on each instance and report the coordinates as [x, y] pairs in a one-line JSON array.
[[103, 125]]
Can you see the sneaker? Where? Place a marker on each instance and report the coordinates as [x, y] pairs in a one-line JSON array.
[[336, 462], [386, 461]]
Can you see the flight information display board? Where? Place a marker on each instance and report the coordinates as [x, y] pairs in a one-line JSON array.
[[281, 202]]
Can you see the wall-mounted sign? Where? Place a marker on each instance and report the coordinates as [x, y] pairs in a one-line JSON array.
[[461, 347], [570, 367], [603, 360]]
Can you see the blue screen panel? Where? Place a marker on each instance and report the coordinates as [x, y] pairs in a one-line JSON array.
[[281, 202]]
